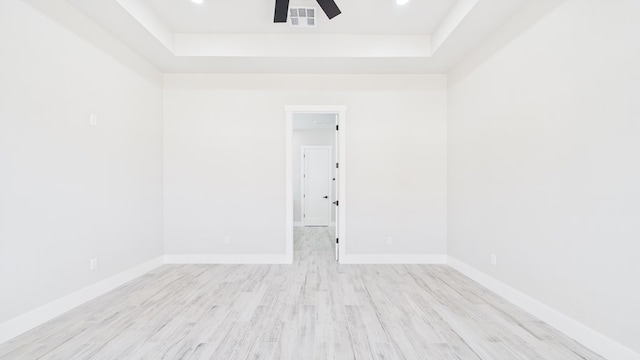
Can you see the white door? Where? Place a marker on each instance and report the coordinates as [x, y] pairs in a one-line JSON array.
[[316, 188]]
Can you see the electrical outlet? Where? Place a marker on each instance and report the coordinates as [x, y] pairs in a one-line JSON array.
[[494, 259], [227, 240], [389, 240], [93, 264], [93, 120]]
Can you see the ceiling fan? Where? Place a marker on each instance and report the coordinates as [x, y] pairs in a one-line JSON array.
[[282, 9]]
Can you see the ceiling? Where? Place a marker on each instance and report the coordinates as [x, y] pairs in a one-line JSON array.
[[256, 17], [233, 36]]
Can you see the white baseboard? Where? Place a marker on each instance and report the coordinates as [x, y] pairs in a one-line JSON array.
[[392, 259], [227, 259], [588, 337], [300, 224], [28, 321]]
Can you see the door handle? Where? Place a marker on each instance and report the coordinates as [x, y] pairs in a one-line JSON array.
[[325, 197]]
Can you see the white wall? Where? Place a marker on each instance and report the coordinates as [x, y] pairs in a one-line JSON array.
[[316, 137], [68, 191], [223, 180], [544, 160]]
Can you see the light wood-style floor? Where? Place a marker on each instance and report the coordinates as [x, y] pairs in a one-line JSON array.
[[314, 309]]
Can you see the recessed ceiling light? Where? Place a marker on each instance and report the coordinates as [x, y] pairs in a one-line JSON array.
[[401, 2], [197, 1]]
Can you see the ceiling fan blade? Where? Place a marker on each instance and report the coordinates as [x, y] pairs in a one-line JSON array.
[[330, 8], [282, 9]]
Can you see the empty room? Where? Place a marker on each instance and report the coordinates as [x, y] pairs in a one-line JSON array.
[[320, 179]]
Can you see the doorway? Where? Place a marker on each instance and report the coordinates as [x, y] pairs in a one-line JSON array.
[[315, 196]]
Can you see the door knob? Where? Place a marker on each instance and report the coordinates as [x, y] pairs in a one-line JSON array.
[[325, 197]]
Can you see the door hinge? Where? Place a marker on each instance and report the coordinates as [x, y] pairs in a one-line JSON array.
[[337, 165], [336, 127], [337, 241]]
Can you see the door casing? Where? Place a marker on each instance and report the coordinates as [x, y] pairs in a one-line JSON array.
[[341, 121]]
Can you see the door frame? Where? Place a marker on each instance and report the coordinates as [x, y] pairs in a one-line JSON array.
[[341, 121], [303, 199]]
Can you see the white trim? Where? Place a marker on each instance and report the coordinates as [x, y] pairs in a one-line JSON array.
[[393, 259], [588, 337], [227, 259], [303, 183], [339, 139], [36, 317], [288, 231], [300, 224], [341, 178]]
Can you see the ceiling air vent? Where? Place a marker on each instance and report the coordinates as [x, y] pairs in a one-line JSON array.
[[302, 17]]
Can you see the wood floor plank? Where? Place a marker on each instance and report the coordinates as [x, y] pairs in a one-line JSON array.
[[313, 309]]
